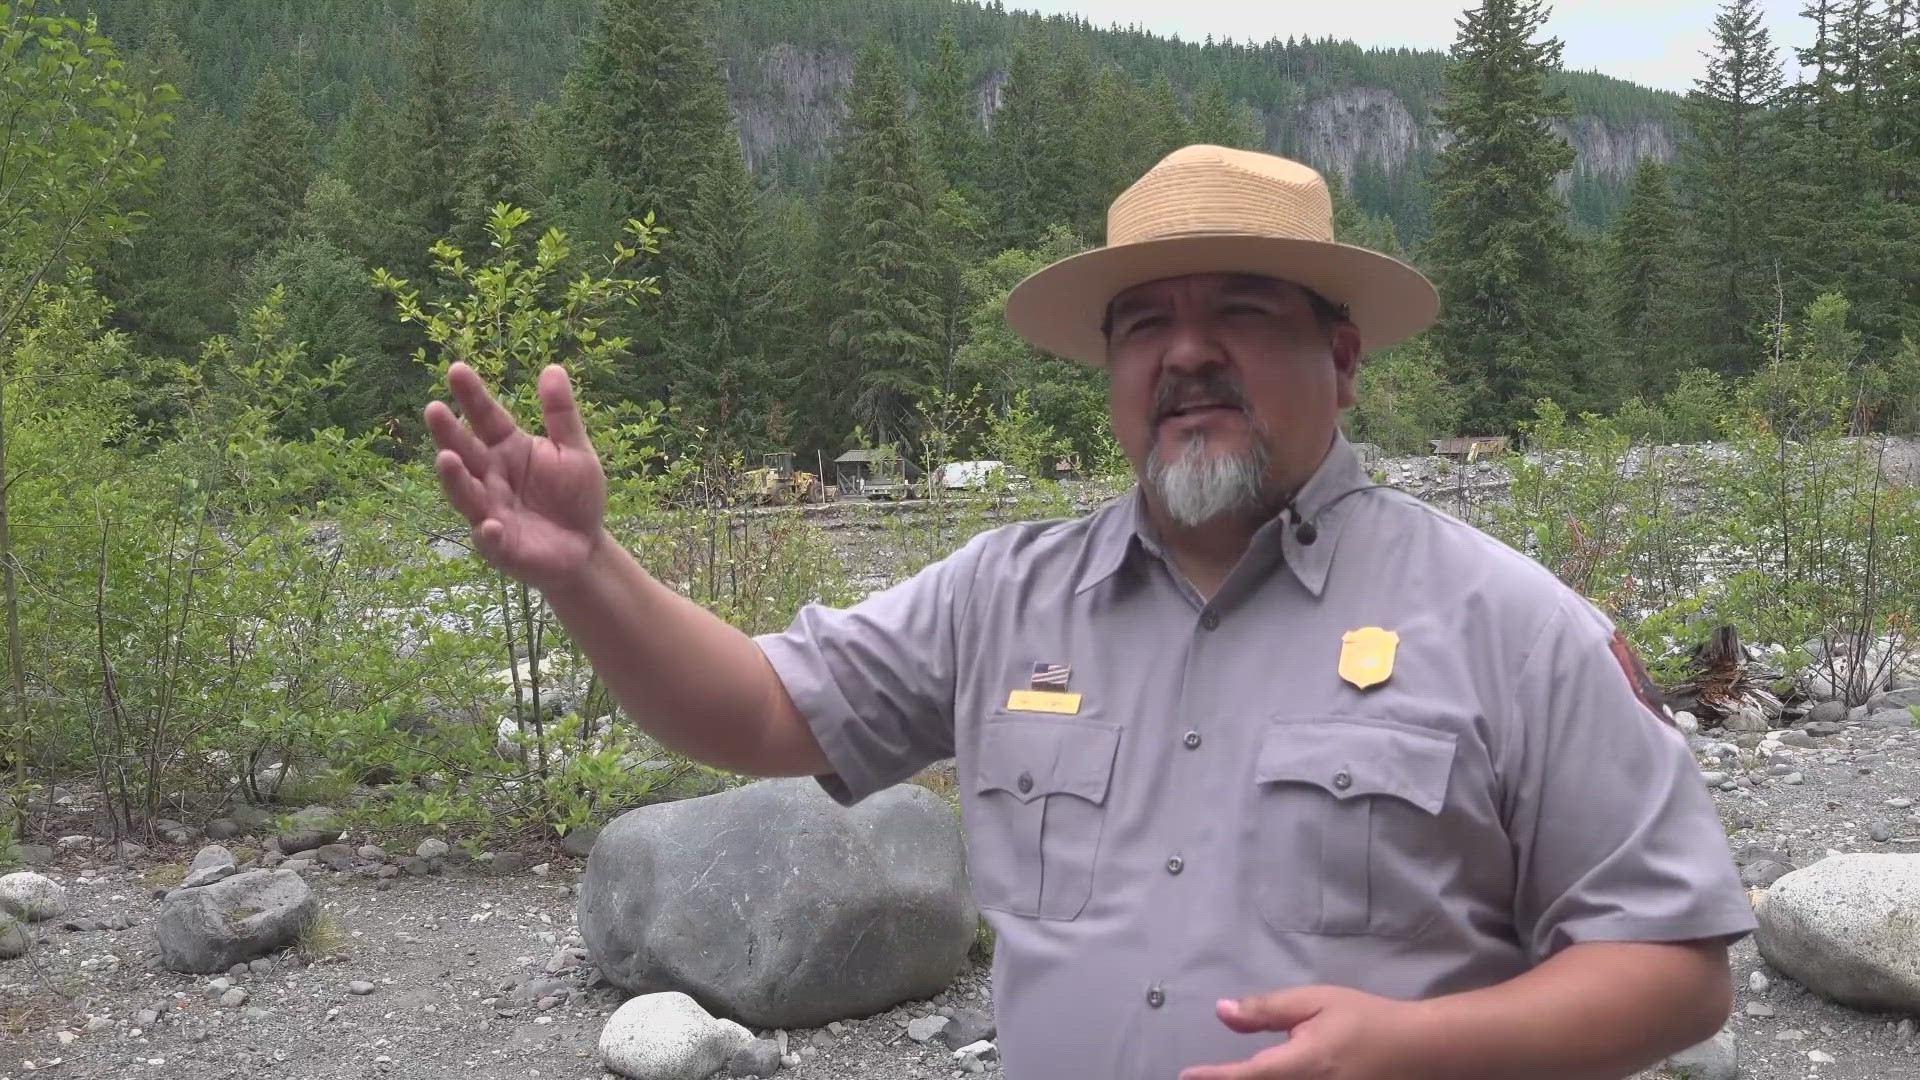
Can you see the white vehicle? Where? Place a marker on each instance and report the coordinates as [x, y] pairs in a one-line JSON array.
[[972, 475]]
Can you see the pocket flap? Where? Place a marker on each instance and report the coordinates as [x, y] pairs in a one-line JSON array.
[[1032, 757], [1351, 758]]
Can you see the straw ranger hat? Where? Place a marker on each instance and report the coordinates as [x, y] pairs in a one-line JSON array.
[[1211, 209]]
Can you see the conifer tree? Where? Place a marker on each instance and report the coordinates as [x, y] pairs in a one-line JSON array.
[[727, 301], [443, 106], [1727, 179], [1501, 253], [885, 334], [1643, 285], [500, 168], [270, 169], [946, 115], [646, 100], [1224, 122]]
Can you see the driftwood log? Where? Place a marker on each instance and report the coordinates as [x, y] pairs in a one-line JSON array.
[[1729, 688]]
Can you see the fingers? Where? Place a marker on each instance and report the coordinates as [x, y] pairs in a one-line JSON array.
[[1277, 1011], [1274, 1063], [488, 418], [560, 412], [450, 434], [465, 491]]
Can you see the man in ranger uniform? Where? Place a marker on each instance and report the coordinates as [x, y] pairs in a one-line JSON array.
[[1267, 771]]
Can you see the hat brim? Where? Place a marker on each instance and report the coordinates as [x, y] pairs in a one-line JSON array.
[[1060, 308]]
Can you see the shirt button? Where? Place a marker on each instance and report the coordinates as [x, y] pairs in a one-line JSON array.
[[1210, 620], [1192, 740], [1156, 998], [1174, 864], [1025, 783], [1342, 780]]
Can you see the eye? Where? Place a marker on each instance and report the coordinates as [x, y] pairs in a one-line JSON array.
[[1146, 320]]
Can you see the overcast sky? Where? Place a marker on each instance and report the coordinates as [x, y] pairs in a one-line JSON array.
[[1655, 42]]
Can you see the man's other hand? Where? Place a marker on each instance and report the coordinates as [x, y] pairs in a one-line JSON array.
[[1333, 1034], [537, 504]]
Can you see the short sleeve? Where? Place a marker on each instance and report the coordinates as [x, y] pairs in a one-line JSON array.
[[876, 681], [1615, 836]]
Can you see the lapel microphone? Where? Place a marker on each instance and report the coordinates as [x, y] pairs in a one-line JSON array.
[[1304, 530]]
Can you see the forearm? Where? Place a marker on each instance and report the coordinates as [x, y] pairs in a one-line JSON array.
[[1592, 1012], [697, 684]]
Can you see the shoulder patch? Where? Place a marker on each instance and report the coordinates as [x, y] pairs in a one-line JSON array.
[[1643, 685]]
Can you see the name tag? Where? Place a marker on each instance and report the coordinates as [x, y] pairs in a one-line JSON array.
[[1046, 701]]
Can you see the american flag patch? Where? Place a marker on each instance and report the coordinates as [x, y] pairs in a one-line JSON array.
[[1050, 676]]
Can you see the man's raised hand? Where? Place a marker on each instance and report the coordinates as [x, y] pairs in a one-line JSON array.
[[537, 504]]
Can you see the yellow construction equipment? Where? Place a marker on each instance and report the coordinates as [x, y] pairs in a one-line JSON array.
[[778, 483]]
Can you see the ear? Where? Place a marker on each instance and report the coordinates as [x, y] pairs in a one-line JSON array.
[[1346, 364]]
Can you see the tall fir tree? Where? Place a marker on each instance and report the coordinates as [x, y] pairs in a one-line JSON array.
[[443, 109], [272, 164], [499, 168], [1643, 284], [1501, 253], [727, 302], [885, 334], [647, 100], [948, 116], [1728, 178], [1219, 120]]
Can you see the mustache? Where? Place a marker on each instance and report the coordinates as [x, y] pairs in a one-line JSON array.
[[1177, 393]]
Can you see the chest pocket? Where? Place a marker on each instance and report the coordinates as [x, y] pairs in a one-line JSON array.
[[1037, 812], [1345, 832]]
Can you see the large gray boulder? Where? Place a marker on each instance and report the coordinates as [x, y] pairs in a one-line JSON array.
[[1843, 927], [774, 905], [33, 897], [213, 927]]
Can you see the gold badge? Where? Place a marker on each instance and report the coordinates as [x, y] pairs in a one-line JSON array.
[[1366, 656]]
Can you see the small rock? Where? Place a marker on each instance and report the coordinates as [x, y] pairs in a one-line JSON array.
[[1827, 712], [147, 1017], [432, 848], [1713, 779], [837, 1028], [1799, 739], [256, 1013], [1759, 1008], [761, 1058], [579, 842], [1821, 729], [336, 857], [66, 1037], [239, 970], [98, 1024], [14, 939], [222, 829], [1819, 1057], [260, 966], [541, 870], [1904, 1030], [1716, 1059], [509, 862], [1793, 778], [360, 987], [1763, 872], [372, 853], [1880, 833], [926, 1027], [1757, 982], [668, 1036], [234, 998], [821, 1038], [416, 866], [790, 1061], [968, 1026], [979, 1051]]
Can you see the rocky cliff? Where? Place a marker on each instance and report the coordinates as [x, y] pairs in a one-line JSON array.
[[789, 103]]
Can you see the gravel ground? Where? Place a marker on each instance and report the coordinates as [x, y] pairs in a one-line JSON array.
[[458, 966]]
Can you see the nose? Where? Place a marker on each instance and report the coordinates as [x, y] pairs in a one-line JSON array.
[[1191, 348]]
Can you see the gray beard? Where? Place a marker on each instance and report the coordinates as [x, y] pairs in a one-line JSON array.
[[1197, 487]]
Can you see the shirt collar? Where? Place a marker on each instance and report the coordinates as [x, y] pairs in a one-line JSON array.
[[1123, 523]]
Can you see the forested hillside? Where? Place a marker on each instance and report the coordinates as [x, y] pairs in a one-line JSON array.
[[239, 248], [1365, 112]]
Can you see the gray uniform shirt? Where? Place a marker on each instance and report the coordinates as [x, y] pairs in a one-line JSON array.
[[1224, 813]]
